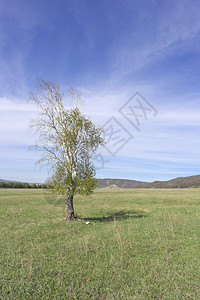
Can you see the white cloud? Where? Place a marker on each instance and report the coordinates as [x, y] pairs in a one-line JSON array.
[[16, 105]]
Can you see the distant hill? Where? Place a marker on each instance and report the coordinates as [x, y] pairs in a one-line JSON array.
[[180, 182], [119, 183]]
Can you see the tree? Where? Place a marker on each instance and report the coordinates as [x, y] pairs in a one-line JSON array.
[[67, 141]]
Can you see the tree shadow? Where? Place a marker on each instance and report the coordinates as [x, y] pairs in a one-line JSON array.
[[118, 216]]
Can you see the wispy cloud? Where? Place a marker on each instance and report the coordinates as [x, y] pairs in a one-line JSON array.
[[18, 22], [170, 26]]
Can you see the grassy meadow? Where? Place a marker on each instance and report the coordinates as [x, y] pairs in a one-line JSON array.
[[140, 244]]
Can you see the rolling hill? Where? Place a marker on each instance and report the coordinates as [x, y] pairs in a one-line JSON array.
[[179, 182]]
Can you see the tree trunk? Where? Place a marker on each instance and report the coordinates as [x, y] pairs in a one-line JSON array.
[[69, 214]]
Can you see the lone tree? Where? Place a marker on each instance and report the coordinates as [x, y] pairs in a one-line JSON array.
[[67, 140]]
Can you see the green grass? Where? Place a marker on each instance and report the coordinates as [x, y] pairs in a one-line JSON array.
[[140, 244]]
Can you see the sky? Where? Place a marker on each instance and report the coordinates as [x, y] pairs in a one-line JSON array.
[[136, 65]]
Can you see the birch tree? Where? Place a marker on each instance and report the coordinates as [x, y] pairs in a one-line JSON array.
[[67, 140]]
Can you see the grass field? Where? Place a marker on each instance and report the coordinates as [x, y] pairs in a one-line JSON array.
[[140, 244]]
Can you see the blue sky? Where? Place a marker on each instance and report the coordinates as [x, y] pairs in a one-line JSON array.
[[108, 50]]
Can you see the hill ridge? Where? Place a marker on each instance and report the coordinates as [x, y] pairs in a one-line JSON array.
[[178, 182]]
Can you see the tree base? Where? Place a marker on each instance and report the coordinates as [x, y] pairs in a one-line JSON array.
[[69, 213], [69, 219]]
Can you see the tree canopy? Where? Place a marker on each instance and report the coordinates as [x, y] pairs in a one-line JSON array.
[[67, 140]]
